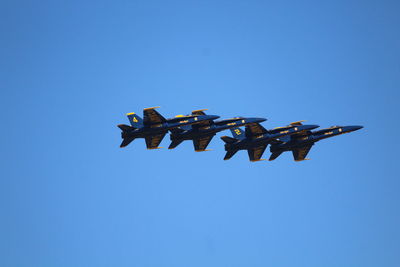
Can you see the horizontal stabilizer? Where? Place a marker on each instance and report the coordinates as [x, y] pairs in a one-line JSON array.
[[126, 141], [229, 154], [228, 140], [125, 128], [174, 144], [274, 155]]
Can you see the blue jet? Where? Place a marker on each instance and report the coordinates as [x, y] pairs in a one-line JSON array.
[[153, 127], [256, 138], [300, 144], [202, 133]]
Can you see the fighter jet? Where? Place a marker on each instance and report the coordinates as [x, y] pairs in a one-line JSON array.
[[301, 143], [202, 133], [153, 127], [256, 138]]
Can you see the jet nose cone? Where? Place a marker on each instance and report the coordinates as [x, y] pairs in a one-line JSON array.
[[348, 129], [355, 128], [256, 120]]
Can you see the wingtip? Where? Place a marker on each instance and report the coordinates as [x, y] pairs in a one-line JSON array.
[[299, 160], [257, 160], [297, 122], [198, 110], [151, 108], [202, 150]]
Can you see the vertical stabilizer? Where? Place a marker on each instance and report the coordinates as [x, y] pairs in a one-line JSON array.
[[238, 133], [135, 120]]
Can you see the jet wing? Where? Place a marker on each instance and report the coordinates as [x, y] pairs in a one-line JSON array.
[[152, 142], [256, 153], [151, 116], [200, 144], [253, 129], [300, 154]]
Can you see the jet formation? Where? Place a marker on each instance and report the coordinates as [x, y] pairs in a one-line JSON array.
[[200, 128]]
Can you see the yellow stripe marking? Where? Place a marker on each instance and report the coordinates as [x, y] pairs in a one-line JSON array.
[[150, 108]]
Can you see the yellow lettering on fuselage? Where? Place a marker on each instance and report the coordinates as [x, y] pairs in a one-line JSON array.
[[184, 121]]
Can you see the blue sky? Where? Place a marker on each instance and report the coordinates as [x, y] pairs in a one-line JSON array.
[[69, 71]]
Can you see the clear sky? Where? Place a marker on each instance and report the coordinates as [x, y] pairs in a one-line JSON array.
[[70, 70]]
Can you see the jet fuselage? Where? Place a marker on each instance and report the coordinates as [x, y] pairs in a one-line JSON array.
[[313, 137], [267, 138], [214, 128], [158, 128]]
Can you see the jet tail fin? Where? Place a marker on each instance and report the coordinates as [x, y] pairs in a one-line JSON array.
[[238, 133], [228, 140], [135, 120], [125, 128]]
